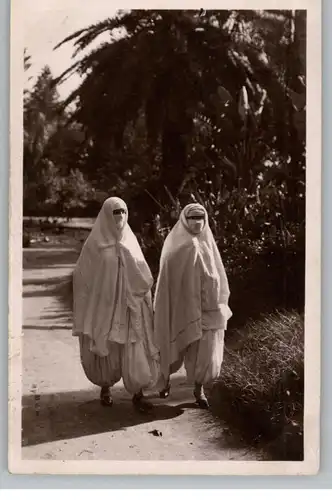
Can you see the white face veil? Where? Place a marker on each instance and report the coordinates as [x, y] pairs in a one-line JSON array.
[[194, 218], [111, 275]]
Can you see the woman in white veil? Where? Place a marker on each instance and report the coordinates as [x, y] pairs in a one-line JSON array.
[[113, 309], [191, 303]]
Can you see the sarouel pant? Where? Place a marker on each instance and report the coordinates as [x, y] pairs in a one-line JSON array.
[[131, 362], [203, 358]]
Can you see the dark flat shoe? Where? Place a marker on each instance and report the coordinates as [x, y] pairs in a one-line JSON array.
[[142, 405], [201, 400], [203, 403], [165, 392], [106, 398]]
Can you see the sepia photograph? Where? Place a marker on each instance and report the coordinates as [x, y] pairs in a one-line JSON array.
[[169, 205]]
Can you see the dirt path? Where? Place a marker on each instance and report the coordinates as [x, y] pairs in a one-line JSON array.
[[62, 417]]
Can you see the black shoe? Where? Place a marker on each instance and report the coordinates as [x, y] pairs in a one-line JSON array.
[[105, 397], [200, 397], [141, 404], [165, 392]]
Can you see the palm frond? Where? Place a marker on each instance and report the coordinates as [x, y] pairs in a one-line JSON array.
[[70, 38]]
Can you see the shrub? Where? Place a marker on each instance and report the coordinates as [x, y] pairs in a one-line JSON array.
[[261, 387]]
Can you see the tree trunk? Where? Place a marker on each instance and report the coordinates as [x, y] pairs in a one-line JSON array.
[[174, 158]]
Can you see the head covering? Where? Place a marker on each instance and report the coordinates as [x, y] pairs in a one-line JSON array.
[[104, 232], [192, 289], [194, 209], [110, 276]]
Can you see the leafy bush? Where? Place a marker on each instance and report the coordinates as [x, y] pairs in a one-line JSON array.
[[261, 388]]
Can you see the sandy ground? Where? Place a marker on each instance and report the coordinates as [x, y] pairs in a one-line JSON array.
[[61, 415]]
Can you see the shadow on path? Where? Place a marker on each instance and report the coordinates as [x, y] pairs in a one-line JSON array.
[[70, 415]]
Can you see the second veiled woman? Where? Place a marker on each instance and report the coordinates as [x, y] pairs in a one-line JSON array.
[[191, 303]]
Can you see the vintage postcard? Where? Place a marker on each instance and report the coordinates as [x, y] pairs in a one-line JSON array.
[[165, 237]]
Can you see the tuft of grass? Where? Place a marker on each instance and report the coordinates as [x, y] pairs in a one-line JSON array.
[[261, 387]]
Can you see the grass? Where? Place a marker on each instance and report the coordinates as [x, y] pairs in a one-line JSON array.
[[261, 388]]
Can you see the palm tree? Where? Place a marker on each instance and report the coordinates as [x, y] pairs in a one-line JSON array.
[[183, 72]]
